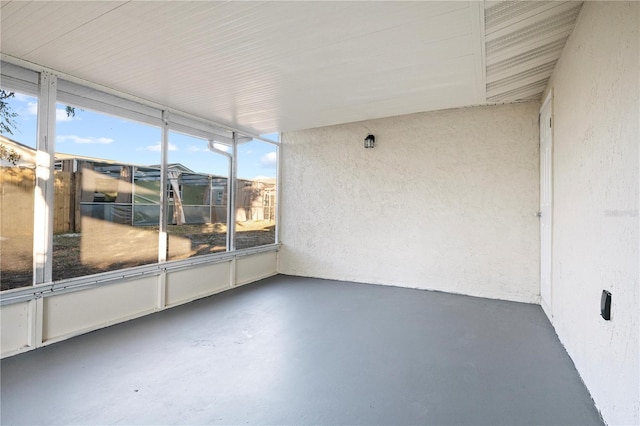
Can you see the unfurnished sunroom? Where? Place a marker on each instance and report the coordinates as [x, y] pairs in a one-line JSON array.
[[156, 153]]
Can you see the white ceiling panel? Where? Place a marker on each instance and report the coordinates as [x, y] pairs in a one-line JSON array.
[[19, 19], [278, 66]]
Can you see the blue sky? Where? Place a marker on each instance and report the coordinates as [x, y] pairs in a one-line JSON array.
[[97, 135]]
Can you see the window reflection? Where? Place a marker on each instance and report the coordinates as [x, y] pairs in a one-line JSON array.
[[256, 194], [17, 184], [107, 206], [197, 187], [107, 191]]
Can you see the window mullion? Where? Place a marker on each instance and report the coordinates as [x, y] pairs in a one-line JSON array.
[[233, 188], [164, 205], [45, 179], [278, 190]]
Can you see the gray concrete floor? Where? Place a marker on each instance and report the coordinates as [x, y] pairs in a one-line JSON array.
[[291, 350]]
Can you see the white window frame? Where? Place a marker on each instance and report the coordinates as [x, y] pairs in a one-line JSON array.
[[52, 87]]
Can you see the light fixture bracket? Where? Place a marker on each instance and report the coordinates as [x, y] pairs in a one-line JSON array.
[[369, 141]]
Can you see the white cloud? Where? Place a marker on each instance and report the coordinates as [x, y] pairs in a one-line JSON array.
[[22, 98], [32, 108], [269, 159], [61, 115], [193, 148], [157, 147], [81, 140]]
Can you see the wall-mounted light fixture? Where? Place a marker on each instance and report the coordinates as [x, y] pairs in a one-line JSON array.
[[369, 141]]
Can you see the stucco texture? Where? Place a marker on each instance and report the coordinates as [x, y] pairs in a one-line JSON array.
[[596, 227], [445, 201]]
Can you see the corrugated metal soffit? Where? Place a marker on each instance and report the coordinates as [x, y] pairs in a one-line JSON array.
[[523, 41]]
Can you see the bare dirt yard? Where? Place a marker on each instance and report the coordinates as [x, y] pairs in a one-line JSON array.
[[116, 253]]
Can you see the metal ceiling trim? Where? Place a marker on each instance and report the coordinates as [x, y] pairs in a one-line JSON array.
[[555, 25], [521, 93], [523, 43], [520, 80], [529, 55], [19, 79]]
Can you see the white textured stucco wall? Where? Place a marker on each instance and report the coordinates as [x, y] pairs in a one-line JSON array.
[[444, 201], [596, 225]]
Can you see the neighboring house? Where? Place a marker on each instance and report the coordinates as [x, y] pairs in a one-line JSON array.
[[27, 155], [130, 194]]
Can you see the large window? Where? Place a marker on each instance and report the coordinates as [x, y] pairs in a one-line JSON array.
[[18, 128], [256, 194], [115, 188], [107, 186], [197, 193]]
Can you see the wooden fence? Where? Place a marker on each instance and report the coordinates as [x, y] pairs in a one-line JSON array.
[[16, 210], [64, 205], [255, 201]]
